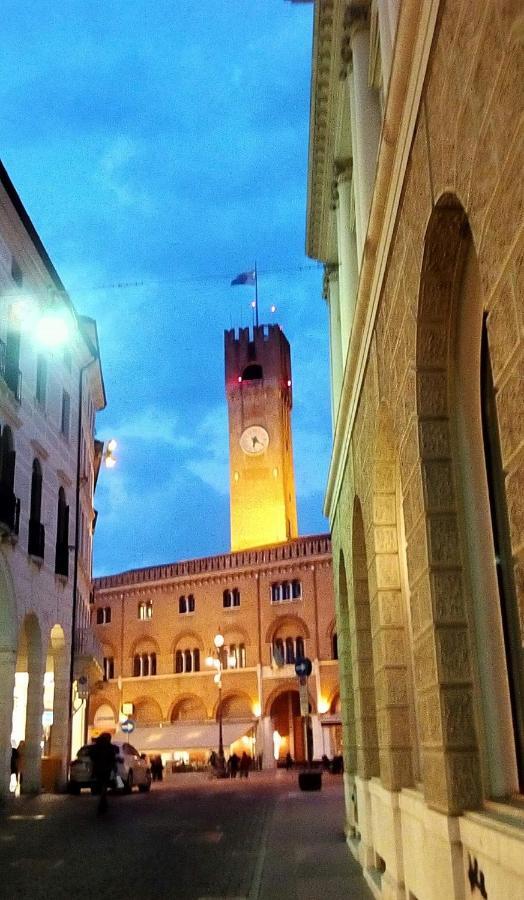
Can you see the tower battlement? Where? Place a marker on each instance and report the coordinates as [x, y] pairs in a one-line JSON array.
[[264, 346]]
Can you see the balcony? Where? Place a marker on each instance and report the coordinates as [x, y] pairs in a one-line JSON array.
[[36, 539], [89, 656], [9, 510], [10, 373]]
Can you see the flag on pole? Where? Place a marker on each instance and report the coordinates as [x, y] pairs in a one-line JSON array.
[[245, 278]]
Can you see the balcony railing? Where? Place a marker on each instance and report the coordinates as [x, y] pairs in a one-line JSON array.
[[36, 538], [9, 509], [11, 375]]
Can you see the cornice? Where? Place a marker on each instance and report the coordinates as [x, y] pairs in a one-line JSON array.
[[297, 554]]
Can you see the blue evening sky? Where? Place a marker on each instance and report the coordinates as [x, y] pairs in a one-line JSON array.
[[160, 148]]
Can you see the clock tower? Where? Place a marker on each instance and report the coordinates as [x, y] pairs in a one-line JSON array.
[[259, 399]]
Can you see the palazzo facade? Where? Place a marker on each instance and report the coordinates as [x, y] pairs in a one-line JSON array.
[[49, 460], [415, 206]]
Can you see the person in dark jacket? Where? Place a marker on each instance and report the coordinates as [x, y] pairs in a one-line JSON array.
[[103, 758]]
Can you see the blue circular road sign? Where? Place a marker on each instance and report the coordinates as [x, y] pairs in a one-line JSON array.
[[303, 667], [128, 726]]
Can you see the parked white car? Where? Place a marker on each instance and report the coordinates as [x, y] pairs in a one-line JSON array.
[[132, 770]]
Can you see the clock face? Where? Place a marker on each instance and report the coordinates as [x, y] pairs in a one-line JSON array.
[[254, 440]]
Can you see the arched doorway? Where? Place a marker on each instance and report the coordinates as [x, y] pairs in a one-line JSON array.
[[55, 751], [289, 730]]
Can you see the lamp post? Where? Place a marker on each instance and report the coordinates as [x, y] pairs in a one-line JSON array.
[[219, 662]]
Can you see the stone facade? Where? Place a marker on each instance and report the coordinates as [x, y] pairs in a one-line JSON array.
[[45, 527], [427, 371]]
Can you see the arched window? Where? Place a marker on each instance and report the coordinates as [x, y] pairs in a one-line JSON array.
[[290, 650], [300, 648], [190, 603], [286, 590], [152, 664], [182, 605], [196, 660], [188, 661], [137, 665], [252, 372], [62, 536], [276, 593], [227, 599], [334, 645], [36, 530], [241, 656], [278, 652], [179, 662]]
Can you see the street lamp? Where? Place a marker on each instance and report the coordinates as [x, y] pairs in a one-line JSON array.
[[219, 661]]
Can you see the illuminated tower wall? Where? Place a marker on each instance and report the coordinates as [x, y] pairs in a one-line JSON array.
[[259, 398]]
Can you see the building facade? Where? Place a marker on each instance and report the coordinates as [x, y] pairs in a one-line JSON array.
[[415, 207], [45, 556], [271, 598], [157, 625]]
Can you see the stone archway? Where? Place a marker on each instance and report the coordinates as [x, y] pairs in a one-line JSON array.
[[441, 639], [189, 708], [56, 703], [29, 701]]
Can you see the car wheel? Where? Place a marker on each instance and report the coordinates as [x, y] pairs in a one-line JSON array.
[[74, 787], [128, 784]]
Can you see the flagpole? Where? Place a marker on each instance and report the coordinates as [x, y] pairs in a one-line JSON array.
[[256, 295]]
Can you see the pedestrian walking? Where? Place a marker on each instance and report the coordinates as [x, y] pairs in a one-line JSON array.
[[103, 758], [245, 765], [289, 761], [234, 761]]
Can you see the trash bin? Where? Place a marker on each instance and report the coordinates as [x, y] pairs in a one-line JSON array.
[[310, 781]]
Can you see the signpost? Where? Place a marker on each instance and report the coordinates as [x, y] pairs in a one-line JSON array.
[[308, 780]]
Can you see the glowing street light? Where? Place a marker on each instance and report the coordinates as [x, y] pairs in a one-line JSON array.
[[52, 328], [217, 661], [109, 457]]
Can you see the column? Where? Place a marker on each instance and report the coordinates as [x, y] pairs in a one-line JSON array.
[[32, 765], [318, 743], [7, 683], [331, 294], [386, 42], [366, 123], [268, 760], [347, 255]]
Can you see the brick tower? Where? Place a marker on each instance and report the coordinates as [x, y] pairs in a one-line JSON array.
[[259, 398]]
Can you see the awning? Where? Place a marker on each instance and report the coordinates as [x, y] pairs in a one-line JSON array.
[[186, 735]]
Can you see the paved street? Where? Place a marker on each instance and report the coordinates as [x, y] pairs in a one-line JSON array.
[[191, 837]]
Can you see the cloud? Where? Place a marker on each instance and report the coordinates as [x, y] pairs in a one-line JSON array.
[[154, 425], [112, 175], [212, 466]]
